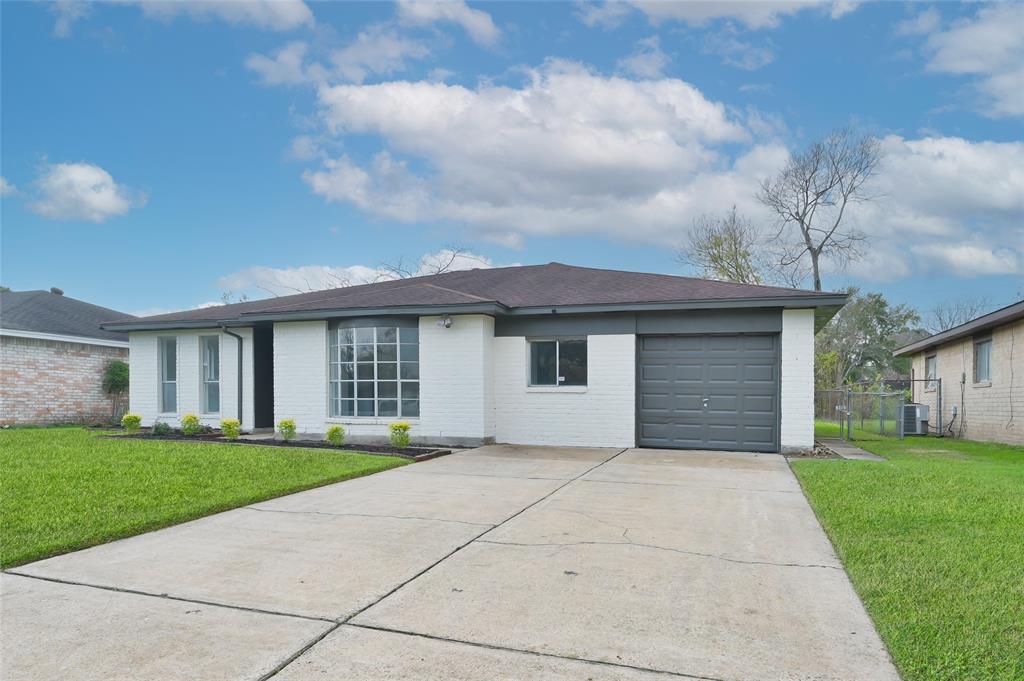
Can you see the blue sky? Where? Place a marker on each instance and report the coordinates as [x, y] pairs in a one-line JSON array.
[[155, 155]]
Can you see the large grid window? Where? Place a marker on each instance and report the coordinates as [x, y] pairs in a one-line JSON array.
[[375, 371], [168, 375], [210, 355], [558, 362]]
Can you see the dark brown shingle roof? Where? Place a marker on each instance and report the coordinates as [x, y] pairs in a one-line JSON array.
[[980, 324], [532, 286]]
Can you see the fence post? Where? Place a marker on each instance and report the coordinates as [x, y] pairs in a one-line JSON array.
[[849, 415], [938, 401], [881, 411], [902, 414]]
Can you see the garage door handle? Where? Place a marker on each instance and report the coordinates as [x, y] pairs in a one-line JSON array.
[[705, 401]]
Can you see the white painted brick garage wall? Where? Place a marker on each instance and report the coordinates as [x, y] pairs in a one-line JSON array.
[[797, 397], [144, 377], [601, 416]]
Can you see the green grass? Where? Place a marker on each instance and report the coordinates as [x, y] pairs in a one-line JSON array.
[[63, 489], [933, 539]]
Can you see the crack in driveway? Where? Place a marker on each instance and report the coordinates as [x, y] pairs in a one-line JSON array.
[[366, 515], [631, 543]]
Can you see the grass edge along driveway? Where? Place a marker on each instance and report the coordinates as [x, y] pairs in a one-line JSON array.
[[933, 540], [64, 489]]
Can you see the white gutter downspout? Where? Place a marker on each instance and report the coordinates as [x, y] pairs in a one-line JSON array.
[[240, 340]]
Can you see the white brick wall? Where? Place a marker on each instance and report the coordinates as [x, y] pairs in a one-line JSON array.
[[797, 380], [300, 374], [456, 378], [144, 377], [601, 415], [995, 412]]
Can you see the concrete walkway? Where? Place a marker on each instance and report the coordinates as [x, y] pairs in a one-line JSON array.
[[500, 562], [848, 451]]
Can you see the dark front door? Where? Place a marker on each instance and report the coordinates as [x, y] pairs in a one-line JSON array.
[[263, 376], [709, 392]]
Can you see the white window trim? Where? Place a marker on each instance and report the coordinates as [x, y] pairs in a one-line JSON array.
[[160, 376], [931, 384], [986, 382], [202, 374], [558, 387]]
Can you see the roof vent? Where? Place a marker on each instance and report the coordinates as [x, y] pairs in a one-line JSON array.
[[56, 291]]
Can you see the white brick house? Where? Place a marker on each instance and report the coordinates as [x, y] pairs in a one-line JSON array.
[[547, 354], [981, 368]]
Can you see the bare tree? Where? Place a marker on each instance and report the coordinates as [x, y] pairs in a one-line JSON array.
[[813, 193], [445, 260], [727, 248], [946, 316]]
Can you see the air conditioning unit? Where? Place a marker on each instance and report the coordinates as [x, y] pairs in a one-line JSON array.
[[915, 419]]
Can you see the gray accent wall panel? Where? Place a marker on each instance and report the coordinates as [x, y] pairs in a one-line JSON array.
[[755, 320]]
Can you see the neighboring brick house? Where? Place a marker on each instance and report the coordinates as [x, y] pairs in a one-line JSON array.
[[981, 366], [52, 357]]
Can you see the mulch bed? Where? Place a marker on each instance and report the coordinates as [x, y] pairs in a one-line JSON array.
[[410, 453], [820, 451]]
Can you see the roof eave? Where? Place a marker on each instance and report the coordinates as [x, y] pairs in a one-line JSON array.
[[1001, 317], [826, 305]]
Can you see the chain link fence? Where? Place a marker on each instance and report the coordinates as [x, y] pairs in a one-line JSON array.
[[870, 411]]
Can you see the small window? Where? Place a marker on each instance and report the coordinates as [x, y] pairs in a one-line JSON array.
[[930, 365], [983, 360], [168, 375], [210, 348], [558, 362]]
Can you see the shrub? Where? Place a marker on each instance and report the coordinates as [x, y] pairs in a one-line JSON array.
[[131, 422], [190, 425], [336, 435], [161, 428], [400, 434], [115, 377], [231, 428], [287, 429]]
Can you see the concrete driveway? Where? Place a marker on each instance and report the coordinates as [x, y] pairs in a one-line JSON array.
[[500, 562]]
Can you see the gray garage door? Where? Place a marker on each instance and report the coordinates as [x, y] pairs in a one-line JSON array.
[[709, 392]]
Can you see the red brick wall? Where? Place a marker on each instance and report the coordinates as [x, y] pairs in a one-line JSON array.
[[44, 382]]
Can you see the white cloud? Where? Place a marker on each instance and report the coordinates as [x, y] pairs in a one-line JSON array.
[[81, 191], [753, 14], [68, 13], [571, 151], [274, 15], [303, 148], [6, 188], [379, 50], [609, 14], [736, 52], [967, 259], [477, 23], [286, 67], [258, 282], [922, 23], [989, 46], [647, 61]]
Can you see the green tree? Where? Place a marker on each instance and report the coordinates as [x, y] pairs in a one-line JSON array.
[[726, 248], [858, 343], [115, 385]]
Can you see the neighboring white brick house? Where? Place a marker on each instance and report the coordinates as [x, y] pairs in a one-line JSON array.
[[552, 376], [989, 408]]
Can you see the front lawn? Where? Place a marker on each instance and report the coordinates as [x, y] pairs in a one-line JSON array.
[[63, 489], [933, 540]]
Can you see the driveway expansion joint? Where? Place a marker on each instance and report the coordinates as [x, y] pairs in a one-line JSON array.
[[365, 515], [491, 646], [166, 596], [628, 542], [673, 484]]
